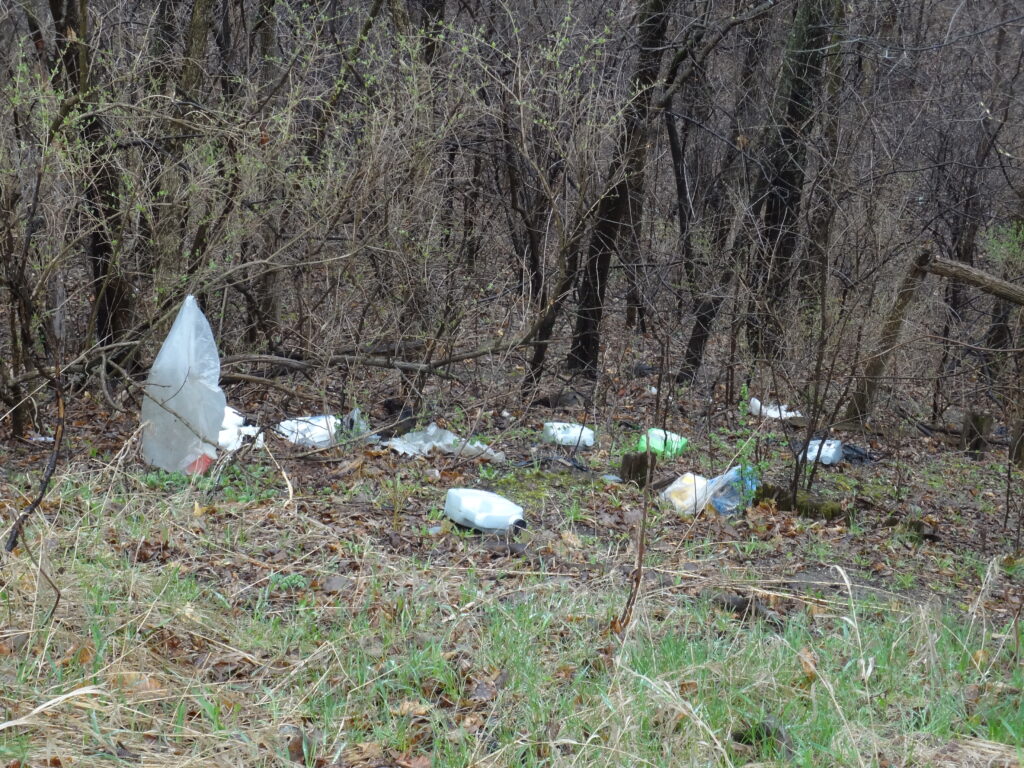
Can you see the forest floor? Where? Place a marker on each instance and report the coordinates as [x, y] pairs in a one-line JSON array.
[[297, 607]]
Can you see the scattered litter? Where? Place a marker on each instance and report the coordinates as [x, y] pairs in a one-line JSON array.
[[422, 442], [183, 405], [663, 444], [736, 491], [434, 530], [234, 430], [652, 390], [826, 451], [692, 493], [487, 512], [611, 478], [310, 431], [37, 438], [772, 410], [562, 433]]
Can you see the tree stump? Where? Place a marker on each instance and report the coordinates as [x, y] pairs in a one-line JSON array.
[[974, 437], [1017, 445], [636, 468]]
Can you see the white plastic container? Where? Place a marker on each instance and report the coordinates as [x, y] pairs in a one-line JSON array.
[[562, 433], [827, 452], [483, 510], [183, 406]]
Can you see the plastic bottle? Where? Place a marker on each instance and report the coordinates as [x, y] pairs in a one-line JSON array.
[[826, 451], [483, 510], [663, 444], [562, 433]]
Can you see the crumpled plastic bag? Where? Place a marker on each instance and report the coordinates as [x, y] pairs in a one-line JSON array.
[[772, 410], [233, 431], [434, 438], [183, 405], [692, 493]]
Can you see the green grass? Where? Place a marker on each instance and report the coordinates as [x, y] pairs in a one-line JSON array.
[[207, 643]]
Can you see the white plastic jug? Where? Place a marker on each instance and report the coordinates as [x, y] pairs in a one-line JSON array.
[[483, 510], [183, 405], [826, 451]]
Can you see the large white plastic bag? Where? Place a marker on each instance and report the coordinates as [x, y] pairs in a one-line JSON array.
[[184, 405]]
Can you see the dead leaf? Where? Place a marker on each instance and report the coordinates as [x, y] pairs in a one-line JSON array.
[[687, 687], [809, 663], [409, 708], [571, 540], [135, 682], [483, 691]]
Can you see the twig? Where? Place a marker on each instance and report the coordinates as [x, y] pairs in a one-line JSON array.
[[51, 467]]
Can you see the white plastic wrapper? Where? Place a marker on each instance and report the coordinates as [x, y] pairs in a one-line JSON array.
[[771, 410], [183, 405]]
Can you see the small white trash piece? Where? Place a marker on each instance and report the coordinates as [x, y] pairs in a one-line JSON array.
[[562, 433], [828, 452], [183, 405], [310, 431], [233, 431], [487, 512], [772, 410]]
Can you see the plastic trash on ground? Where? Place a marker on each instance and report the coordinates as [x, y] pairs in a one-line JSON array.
[[826, 451], [689, 493], [483, 510], [355, 425], [735, 491], [561, 433], [692, 493], [233, 431], [772, 410], [310, 431], [434, 438], [663, 444], [183, 405]]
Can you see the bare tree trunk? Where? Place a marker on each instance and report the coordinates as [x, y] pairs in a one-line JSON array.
[[621, 207], [864, 394], [778, 197]]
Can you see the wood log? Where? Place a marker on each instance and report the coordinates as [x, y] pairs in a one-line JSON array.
[[976, 277]]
